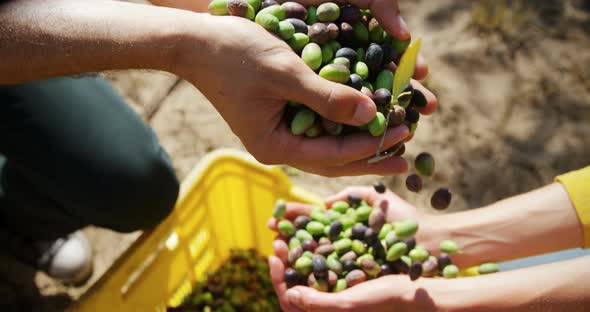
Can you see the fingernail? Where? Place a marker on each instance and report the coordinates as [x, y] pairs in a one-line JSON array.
[[294, 297], [403, 28], [365, 112]]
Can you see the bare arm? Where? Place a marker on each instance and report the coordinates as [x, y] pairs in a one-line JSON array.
[[561, 286], [533, 223], [192, 5], [45, 38]]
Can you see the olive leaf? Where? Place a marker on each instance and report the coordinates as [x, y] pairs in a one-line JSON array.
[[406, 69], [402, 78]]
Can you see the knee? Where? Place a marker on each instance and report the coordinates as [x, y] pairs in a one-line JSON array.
[[141, 194]]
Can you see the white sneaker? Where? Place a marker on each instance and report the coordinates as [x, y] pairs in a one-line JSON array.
[[67, 259]]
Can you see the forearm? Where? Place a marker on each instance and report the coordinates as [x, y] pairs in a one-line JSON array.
[[191, 5], [537, 222], [45, 38], [562, 286]]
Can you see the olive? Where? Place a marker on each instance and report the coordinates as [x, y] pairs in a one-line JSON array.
[[401, 266], [406, 229], [376, 219], [312, 16], [389, 54], [397, 117], [450, 271], [349, 265], [294, 254], [361, 33], [291, 277], [299, 25], [358, 231], [335, 73], [237, 7], [301, 222], [348, 53], [355, 277], [386, 269], [443, 261], [379, 186], [354, 200], [333, 30], [350, 14], [294, 242], [266, 3], [319, 267], [335, 230], [332, 128], [418, 99], [295, 10], [351, 255], [367, 92], [414, 183], [412, 115], [441, 199], [328, 12], [319, 33], [375, 31], [370, 267], [382, 97], [374, 57], [279, 209], [487, 268], [324, 250], [424, 164], [415, 271], [355, 82], [334, 265], [309, 245], [448, 246], [346, 36]]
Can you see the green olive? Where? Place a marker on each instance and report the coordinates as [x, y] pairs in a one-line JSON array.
[[377, 125], [312, 55], [451, 271], [396, 251], [449, 246], [286, 30], [218, 7], [303, 120]]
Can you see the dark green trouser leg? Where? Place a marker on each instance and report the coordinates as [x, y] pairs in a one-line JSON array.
[[76, 155]]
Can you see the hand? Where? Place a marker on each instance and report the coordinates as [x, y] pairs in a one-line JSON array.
[[375, 295], [248, 75]]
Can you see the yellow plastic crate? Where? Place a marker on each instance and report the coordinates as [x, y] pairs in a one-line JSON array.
[[224, 203]]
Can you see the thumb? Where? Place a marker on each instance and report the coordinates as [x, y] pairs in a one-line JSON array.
[[334, 101], [309, 299]]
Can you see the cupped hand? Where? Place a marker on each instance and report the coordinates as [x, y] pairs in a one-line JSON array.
[[249, 75], [375, 295]]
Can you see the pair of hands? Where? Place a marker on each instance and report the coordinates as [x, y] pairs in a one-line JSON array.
[[249, 75], [380, 294]]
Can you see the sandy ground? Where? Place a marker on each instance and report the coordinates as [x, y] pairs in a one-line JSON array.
[[514, 112]]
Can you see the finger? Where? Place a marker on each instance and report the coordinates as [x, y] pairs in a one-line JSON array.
[[329, 151], [421, 70], [334, 101], [277, 277], [281, 250], [424, 95], [386, 167], [367, 193], [388, 14], [309, 299]]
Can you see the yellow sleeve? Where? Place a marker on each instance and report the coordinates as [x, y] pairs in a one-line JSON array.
[[577, 184]]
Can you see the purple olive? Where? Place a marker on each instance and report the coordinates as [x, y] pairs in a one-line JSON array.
[[441, 199]]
